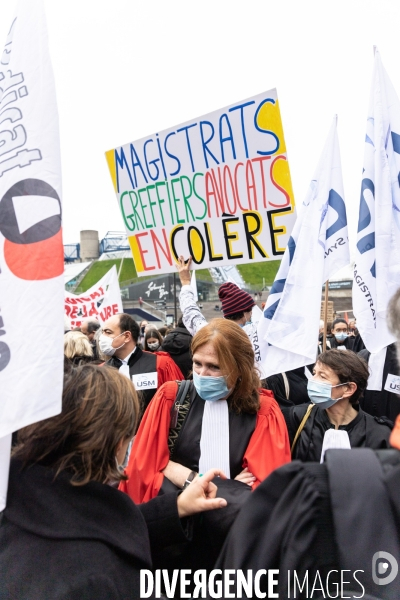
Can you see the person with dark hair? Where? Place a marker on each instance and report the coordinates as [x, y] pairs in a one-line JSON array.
[[89, 328], [237, 304], [66, 532], [327, 524], [334, 419], [341, 339], [148, 370], [152, 340], [177, 344]]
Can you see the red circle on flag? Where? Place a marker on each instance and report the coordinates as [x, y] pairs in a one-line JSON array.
[[37, 252]]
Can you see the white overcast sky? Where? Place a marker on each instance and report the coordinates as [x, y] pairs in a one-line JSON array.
[[125, 69]]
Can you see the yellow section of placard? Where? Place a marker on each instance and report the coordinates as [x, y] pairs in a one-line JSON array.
[[110, 158], [136, 253]]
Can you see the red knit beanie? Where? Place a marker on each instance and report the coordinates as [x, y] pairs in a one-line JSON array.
[[234, 300]]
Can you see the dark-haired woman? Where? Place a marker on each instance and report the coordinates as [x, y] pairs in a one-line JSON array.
[[334, 418], [66, 533], [152, 340]]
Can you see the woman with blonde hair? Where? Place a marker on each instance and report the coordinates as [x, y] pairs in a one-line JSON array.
[[77, 348]]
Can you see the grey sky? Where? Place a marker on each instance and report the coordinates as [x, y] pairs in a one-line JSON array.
[[127, 69]]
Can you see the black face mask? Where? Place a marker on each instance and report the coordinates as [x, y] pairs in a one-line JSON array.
[[142, 330]]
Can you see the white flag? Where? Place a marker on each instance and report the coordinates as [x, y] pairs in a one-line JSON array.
[[317, 248], [377, 264], [101, 301], [31, 248]]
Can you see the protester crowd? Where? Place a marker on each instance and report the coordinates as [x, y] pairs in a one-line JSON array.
[[208, 478]]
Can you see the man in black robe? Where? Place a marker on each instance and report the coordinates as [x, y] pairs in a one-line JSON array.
[[384, 402], [341, 339], [148, 370]]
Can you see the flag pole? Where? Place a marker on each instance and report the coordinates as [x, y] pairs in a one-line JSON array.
[[175, 303], [326, 300], [325, 315]]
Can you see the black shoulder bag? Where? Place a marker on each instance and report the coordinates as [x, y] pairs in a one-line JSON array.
[[179, 411]]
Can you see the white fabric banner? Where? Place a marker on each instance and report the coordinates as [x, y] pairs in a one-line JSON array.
[[31, 248], [377, 264], [318, 247], [101, 301]]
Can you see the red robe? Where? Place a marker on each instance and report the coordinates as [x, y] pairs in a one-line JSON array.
[[167, 369], [267, 450]]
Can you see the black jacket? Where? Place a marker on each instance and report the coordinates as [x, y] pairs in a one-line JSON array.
[[354, 343], [177, 344], [59, 541], [364, 431], [382, 403], [309, 520], [297, 387], [140, 362]]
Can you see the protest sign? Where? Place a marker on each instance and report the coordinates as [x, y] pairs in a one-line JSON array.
[[217, 188], [101, 301], [31, 248]]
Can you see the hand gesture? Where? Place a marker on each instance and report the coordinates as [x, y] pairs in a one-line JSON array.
[[184, 270], [246, 477], [200, 495]]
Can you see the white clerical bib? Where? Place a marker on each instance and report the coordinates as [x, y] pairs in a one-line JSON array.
[[214, 440], [335, 438], [124, 370], [376, 365], [145, 381], [393, 384]]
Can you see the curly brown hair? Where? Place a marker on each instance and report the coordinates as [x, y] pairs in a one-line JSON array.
[[236, 360], [99, 409]]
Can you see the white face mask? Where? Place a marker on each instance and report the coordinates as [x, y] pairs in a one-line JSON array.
[[154, 345], [106, 346]]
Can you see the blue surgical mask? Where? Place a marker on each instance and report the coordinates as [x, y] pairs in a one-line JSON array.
[[210, 388], [247, 323], [341, 336], [320, 393]]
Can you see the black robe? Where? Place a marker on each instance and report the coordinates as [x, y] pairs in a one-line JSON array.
[[297, 387], [64, 542], [187, 449], [363, 431], [177, 344], [141, 362], [210, 529], [383, 403], [354, 343], [313, 519]]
